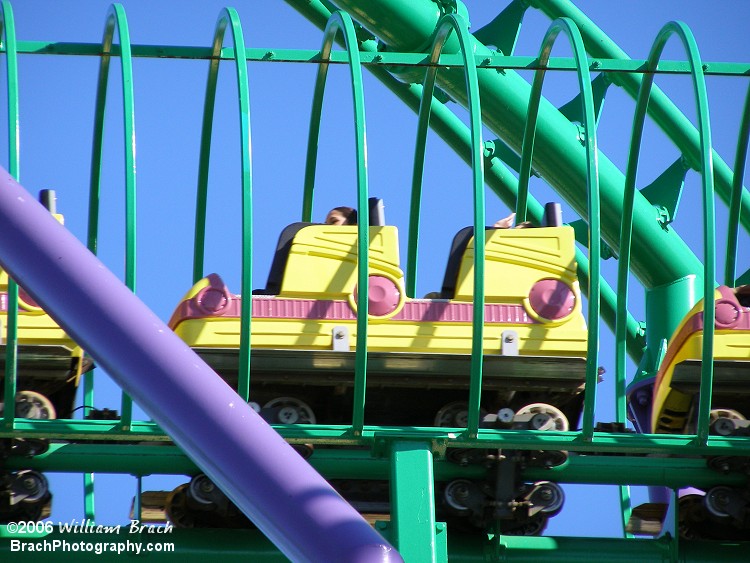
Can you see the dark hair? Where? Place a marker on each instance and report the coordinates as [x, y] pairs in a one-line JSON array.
[[349, 213]]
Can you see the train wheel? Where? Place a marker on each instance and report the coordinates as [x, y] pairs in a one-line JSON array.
[[547, 497], [541, 416], [33, 405], [545, 417], [691, 517], [202, 490], [289, 410], [177, 510], [724, 421], [533, 527], [30, 486], [453, 415], [25, 496], [725, 502]]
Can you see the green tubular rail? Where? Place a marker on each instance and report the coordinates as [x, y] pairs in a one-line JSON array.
[[115, 21], [709, 272], [740, 162], [661, 109], [455, 23], [8, 39], [593, 226], [228, 18], [342, 21], [502, 181]]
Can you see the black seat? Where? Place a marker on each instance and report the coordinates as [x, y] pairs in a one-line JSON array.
[[458, 247], [276, 274], [281, 257]]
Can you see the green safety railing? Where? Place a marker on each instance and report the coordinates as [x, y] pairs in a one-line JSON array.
[[709, 273], [115, 21], [733, 223], [341, 21], [8, 38], [592, 180], [229, 18], [455, 23]]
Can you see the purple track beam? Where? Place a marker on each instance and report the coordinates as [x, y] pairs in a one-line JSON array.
[[288, 500]]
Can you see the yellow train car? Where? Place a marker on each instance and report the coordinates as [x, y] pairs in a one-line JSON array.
[[49, 363], [678, 381], [304, 329]]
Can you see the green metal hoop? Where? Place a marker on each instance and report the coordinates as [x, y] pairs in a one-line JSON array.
[[341, 21], [592, 180], [709, 220], [448, 24], [735, 203], [228, 18], [8, 39]]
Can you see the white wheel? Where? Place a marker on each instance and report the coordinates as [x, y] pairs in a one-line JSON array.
[[722, 423], [289, 410], [546, 417], [30, 404]]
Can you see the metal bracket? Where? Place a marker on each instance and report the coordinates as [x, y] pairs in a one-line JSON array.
[[509, 343], [340, 339]]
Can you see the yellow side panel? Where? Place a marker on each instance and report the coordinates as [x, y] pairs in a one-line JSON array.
[[384, 336], [518, 258], [323, 261], [728, 345]]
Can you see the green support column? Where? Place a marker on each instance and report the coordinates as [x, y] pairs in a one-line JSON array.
[[666, 306], [413, 504]]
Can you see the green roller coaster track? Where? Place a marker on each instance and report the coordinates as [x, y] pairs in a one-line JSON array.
[[423, 52]]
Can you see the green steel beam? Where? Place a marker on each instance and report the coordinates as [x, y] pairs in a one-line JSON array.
[[360, 464], [259, 54], [413, 503], [381, 436]]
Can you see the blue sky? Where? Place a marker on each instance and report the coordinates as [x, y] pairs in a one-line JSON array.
[[56, 119]]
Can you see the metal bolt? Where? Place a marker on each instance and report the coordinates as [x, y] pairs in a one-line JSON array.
[[510, 338], [339, 335]]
